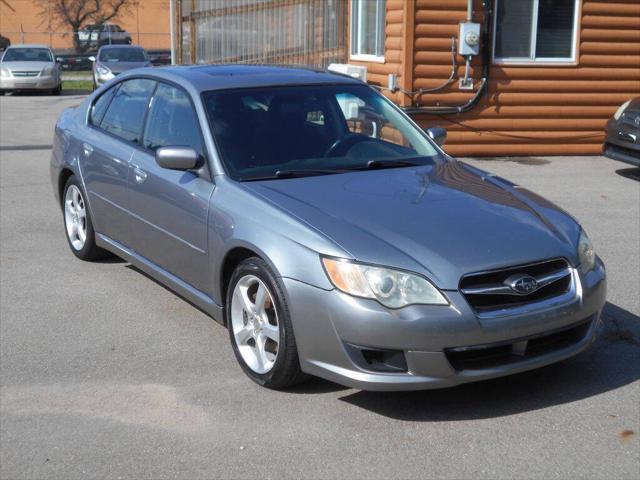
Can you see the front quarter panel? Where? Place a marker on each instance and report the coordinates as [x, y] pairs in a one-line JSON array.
[[240, 219]]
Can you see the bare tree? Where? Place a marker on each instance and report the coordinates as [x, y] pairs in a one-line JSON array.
[[75, 14]]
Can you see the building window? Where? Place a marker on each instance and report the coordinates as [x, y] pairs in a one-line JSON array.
[[535, 31], [367, 29]]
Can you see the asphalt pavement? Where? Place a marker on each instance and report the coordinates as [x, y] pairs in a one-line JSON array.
[[105, 373]]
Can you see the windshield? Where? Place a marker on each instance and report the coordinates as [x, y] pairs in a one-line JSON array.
[[264, 132], [27, 55], [122, 55]]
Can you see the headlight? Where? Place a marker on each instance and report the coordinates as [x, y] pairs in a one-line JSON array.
[[392, 288], [4, 72], [102, 70], [586, 253], [621, 110], [47, 71]]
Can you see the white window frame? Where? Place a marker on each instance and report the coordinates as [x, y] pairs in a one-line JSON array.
[[355, 41], [533, 60]]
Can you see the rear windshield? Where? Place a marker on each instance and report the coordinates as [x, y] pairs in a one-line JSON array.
[[123, 55], [261, 132], [27, 55]]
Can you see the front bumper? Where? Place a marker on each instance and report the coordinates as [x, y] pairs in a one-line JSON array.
[[328, 324], [29, 83]]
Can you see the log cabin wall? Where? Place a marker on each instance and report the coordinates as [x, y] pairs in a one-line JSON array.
[[395, 45], [528, 109]]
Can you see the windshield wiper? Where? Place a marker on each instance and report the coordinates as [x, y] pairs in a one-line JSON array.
[[373, 164], [370, 165], [380, 164], [306, 173], [296, 174]]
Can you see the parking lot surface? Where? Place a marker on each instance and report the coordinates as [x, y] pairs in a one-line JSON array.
[[105, 373]]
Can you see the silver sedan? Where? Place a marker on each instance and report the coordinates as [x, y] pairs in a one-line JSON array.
[[29, 67], [112, 60], [328, 232]]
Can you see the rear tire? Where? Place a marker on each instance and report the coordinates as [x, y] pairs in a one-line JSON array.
[[260, 328], [77, 222]]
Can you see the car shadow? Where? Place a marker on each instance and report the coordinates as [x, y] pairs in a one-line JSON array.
[[314, 386], [75, 92], [611, 363], [159, 283], [632, 173], [36, 93], [109, 258]]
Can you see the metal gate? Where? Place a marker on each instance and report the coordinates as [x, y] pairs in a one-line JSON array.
[[294, 32]]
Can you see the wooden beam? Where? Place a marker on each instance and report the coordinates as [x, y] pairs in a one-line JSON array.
[[408, 43]]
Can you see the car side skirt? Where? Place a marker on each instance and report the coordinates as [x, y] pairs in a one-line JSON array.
[[193, 296]]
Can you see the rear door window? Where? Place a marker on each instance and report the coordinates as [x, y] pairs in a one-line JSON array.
[[125, 114]]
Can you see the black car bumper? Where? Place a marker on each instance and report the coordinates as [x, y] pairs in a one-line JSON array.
[[622, 143]]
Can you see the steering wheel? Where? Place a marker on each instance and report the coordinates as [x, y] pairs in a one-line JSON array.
[[341, 146]]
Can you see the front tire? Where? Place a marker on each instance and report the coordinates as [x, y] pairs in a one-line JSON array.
[[77, 222], [260, 327]]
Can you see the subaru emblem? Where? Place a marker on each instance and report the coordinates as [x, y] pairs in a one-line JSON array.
[[522, 284]]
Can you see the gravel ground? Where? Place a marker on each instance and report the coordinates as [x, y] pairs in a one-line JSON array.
[[105, 373]]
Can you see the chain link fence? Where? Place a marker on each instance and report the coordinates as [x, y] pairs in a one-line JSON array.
[[306, 32]]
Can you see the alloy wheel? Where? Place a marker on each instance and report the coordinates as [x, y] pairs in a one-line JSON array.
[[75, 217], [254, 321]]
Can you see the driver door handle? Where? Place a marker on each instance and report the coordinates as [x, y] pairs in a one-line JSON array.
[[88, 149]]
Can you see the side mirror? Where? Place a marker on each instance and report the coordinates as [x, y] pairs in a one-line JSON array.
[[92, 58], [59, 59], [438, 135], [177, 158]]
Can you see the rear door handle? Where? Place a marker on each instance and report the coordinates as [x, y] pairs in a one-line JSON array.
[[139, 175], [88, 149]]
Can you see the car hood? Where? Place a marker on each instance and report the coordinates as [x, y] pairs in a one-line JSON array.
[[119, 67], [26, 66], [445, 220]]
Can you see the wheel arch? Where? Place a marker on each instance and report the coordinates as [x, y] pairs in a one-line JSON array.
[[63, 177], [230, 262]]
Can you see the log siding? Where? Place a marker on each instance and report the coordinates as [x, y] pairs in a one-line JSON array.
[[529, 109]]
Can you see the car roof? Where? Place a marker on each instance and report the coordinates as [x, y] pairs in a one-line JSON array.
[[222, 77], [28, 45], [108, 47]]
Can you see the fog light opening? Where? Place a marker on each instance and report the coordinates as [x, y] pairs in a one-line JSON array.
[[378, 360]]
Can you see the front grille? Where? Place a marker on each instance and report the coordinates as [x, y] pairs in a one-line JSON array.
[[492, 290], [24, 73], [482, 357]]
